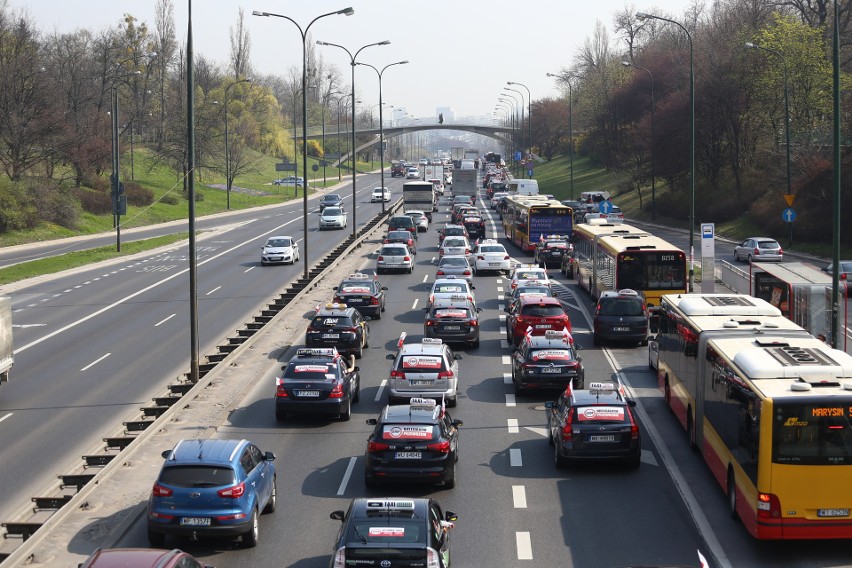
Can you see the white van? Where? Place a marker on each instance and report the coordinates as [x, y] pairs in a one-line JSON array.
[[468, 165], [522, 186]]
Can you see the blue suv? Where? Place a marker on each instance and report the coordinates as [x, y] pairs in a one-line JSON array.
[[212, 488]]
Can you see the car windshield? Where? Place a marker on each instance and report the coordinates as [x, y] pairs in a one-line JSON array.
[[278, 243], [331, 211], [542, 310], [197, 476], [333, 198]]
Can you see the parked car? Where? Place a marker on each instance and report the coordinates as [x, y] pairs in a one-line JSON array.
[[291, 180], [282, 249], [755, 249]]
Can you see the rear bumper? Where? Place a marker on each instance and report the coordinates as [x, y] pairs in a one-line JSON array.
[[328, 407]]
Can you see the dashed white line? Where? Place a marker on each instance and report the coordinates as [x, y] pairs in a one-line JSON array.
[[95, 362], [249, 269], [213, 290], [501, 307], [507, 378], [512, 425], [7, 416], [510, 400], [524, 544], [501, 297], [499, 289], [505, 359], [414, 305], [342, 489], [161, 322], [425, 278], [381, 390], [519, 496]]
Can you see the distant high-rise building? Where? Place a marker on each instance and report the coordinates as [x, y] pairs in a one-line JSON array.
[[449, 114]]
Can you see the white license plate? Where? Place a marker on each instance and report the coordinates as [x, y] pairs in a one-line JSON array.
[[408, 455], [331, 336], [833, 513], [452, 327], [542, 326], [621, 329], [307, 393], [551, 370], [493, 264], [274, 258], [416, 383], [195, 521], [599, 438]]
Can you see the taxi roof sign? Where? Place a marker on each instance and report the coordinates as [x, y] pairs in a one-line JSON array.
[[389, 505], [432, 340], [359, 276], [330, 352], [427, 404], [601, 388]]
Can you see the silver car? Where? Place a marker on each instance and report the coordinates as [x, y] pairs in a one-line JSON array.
[[458, 246], [454, 265], [428, 369], [755, 249], [420, 220], [394, 257], [279, 250], [332, 218]]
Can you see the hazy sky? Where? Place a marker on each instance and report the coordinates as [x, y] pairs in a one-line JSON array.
[[461, 52]]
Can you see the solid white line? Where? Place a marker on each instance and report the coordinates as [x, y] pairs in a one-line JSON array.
[[381, 390], [414, 305], [515, 457], [519, 496], [510, 400], [505, 359], [507, 378], [342, 489], [522, 539], [213, 290], [95, 362], [512, 424], [7, 416], [159, 323]]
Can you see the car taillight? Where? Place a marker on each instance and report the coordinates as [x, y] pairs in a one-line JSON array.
[[756, 251], [337, 391], [338, 300], [374, 301], [467, 273], [567, 434], [445, 375], [431, 558], [407, 259], [480, 257], [443, 447], [340, 558], [377, 446], [397, 375], [386, 241], [439, 272], [280, 391], [519, 319], [467, 251], [349, 330], [234, 492], [768, 505], [474, 323], [381, 258], [780, 252], [634, 428], [567, 322], [506, 257], [312, 329], [160, 491]]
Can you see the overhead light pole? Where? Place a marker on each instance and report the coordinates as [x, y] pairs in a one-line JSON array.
[[651, 145], [304, 33], [529, 113], [227, 147], [381, 124], [644, 16], [352, 65]]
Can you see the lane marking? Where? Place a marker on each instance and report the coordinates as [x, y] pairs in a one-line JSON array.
[[414, 305], [522, 540], [510, 400], [213, 290], [95, 362], [506, 360], [381, 390], [507, 378], [501, 297], [519, 496], [161, 322], [26, 325], [499, 289], [249, 269], [342, 489], [515, 457], [536, 430], [512, 424], [7, 416], [425, 278]]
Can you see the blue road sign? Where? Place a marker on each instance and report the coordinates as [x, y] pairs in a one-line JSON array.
[[605, 207], [788, 215], [518, 156]]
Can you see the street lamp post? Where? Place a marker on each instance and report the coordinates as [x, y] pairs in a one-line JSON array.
[[653, 170], [513, 101], [352, 64], [520, 105], [644, 16], [304, 33], [529, 113], [780, 55], [228, 148], [381, 124]]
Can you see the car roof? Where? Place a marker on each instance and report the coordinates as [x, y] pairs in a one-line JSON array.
[[416, 506], [204, 451], [131, 558], [536, 299], [417, 412]]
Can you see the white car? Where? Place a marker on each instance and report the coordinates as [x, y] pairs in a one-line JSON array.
[[421, 221], [279, 250], [412, 173], [450, 286], [448, 179], [439, 186], [490, 255], [458, 246], [380, 194], [394, 257], [526, 272], [332, 218]]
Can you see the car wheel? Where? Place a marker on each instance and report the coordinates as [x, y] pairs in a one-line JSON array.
[[250, 538], [155, 539], [450, 481], [347, 413], [570, 272], [451, 402], [475, 344], [262, 263], [635, 461], [357, 396], [749, 259], [273, 499], [378, 314], [596, 340], [559, 460], [736, 255], [359, 352], [550, 441], [519, 390]]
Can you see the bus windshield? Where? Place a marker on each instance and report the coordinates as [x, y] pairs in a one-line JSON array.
[[813, 433], [552, 220], [651, 270]]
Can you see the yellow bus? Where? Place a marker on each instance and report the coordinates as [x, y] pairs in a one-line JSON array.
[[617, 256], [528, 218], [768, 405]]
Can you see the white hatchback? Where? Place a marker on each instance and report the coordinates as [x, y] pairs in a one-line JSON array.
[[332, 218], [490, 255], [458, 246]]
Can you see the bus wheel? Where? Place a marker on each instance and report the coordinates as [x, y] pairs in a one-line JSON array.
[[732, 494]]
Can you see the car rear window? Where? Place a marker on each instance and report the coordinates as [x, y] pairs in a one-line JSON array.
[[552, 355], [492, 249], [409, 432], [383, 530], [278, 243], [602, 414], [452, 261], [542, 311], [531, 275], [303, 371], [768, 244], [197, 476], [421, 363], [621, 307], [330, 321], [449, 288], [453, 243], [393, 251]]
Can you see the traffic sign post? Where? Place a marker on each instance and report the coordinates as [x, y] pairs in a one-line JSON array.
[[708, 258], [789, 215], [605, 207]]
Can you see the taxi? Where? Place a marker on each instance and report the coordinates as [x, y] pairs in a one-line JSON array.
[[490, 255], [451, 286], [538, 313], [525, 272], [547, 360], [393, 531], [416, 441], [317, 381], [593, 425], [340, 326], [428, 369], [474, 223], [453, 320], [362, 292], [551, 249]]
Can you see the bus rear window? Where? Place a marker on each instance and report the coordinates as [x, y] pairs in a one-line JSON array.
[[813, 434]]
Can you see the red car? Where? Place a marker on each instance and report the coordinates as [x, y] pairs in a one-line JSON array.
[[537, 312], [141, 558]]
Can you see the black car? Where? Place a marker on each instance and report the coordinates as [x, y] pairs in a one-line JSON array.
[[621, 316], [475, 225], [402, 237], [362, 292], [402, 223], [330, 200], [398, 169], [416, 441], [317, 381], [398, 532], [593, 425], [339, 326], [547, 361], [453, 320], [551, 249]]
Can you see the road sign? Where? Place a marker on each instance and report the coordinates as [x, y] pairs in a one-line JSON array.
[[788, 215], [605, 207], [315, 167], [789, 199], [529, 173], [285, 167]]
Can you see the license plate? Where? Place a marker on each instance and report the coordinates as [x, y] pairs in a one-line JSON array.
[[493, 264], [621, 329], [408, 455], [551, 370], [195, 521], [416, 383], [307, 393], [600, 438], [542, 326], [331, 336], [833, 513], [452, 327], [274, 258]]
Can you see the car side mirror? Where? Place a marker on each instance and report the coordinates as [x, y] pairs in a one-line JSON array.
[[478, 309], [384, 287], [269, 456], [390, 356], [336, 515], [166, 454], [450, 516], [472, 287], [457, 356], [458, 423], [549, 404], [371, 421], [578, 347], [356, 369], [631, 403]]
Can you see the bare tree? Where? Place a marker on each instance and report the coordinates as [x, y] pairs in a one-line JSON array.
[[240, 49], [166, 44]]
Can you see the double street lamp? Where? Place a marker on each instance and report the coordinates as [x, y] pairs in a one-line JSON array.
[[644, 16], [529, 112], [381, 124], [352, 64], [304, 33], [228, 180]]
